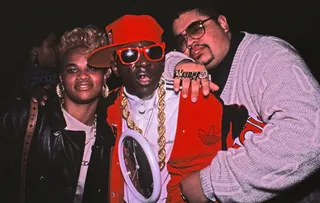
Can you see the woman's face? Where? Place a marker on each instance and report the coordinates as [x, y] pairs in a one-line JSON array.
[[83, 84]]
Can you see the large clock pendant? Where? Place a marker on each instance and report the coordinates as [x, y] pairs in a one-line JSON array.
[[139, 166]]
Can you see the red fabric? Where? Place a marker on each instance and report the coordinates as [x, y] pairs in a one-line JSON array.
[[197, 141], [140, 27], [125, 30], [116, 178], [198, 138]]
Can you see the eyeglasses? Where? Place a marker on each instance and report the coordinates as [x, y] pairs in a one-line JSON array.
[[195, 30], [129, 55]]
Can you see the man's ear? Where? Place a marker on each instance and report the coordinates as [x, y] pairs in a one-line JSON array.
[[34, 54], [222, 20], [35, 51], [114, 68]]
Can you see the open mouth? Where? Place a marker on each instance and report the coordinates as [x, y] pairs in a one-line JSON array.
[[83, 86], [143, 79]]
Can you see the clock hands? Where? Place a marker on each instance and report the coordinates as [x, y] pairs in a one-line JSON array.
[[136, 161], [135, 157], [133, 151], [134, 174]]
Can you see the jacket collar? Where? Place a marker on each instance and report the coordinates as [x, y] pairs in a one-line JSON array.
[[56, 119], [58, 122]]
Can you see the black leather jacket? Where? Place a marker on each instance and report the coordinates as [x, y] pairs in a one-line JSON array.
[[55, 156]]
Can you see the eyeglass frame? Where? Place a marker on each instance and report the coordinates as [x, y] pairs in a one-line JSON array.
[[186, 35], [143, 50]]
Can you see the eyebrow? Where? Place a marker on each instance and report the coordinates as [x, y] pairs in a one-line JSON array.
[[70, 65], [180, 34]]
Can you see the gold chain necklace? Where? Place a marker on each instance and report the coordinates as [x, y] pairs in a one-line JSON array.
[[161, 119]]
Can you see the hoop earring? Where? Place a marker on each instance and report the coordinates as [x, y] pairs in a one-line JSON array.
[[105, 91], [60, 90]]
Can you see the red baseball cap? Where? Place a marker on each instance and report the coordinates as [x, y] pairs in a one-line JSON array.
[[126, 29]]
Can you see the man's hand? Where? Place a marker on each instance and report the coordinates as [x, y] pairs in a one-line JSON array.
[[189, 66], [39, 94], [191, 189]]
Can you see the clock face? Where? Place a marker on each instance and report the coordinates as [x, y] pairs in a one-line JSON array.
[[138, 167]]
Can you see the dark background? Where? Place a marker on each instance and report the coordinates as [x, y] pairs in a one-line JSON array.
[[295, 22]]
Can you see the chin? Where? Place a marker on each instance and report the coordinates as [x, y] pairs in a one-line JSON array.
[[206, 61], [87, 99]]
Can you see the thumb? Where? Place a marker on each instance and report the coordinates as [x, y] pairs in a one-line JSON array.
[[213, 87]]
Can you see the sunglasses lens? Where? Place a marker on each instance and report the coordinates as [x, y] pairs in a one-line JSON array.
[[195, 30], [155, 53], [129, 56]]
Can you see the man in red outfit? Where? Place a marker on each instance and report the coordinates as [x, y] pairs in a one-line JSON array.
[[184, 135]]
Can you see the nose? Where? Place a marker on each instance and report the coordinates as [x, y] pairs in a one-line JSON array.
[[142, 62], [83, 75], [190, 41]]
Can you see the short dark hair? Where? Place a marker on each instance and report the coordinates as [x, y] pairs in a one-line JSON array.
[[40, 31], [211, 8], [33, 26]]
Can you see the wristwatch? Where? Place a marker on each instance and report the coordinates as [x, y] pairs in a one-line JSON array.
[[139, 166]]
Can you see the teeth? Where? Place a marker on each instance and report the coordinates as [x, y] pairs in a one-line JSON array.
[[196, 51], [143, 76], [83, 86]]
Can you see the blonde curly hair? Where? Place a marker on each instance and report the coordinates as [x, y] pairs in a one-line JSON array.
[[89, 37]]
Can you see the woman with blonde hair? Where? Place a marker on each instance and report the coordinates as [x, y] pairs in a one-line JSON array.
[[67, 158]]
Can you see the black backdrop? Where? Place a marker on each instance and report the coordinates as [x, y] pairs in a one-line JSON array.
[[295, 22]]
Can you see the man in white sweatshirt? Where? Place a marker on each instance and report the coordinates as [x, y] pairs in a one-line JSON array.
[[269, 77]]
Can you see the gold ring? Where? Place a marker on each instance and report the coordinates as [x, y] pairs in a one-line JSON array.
[[203, 74], [184, 74]]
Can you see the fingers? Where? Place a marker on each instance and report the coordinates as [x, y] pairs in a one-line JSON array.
[[213, 87], [194, 75], [35, 97], [205, 86], [44, 96], [204, 83], [176, 84], [39, 95], [34, 100], [185, 87], [195, 86]]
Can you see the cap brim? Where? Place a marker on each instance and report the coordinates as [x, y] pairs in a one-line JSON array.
[[101, 57]]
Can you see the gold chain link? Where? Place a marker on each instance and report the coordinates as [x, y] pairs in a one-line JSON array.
[[161, 121]]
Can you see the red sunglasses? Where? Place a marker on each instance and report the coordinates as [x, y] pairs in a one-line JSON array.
[[129, 55]]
